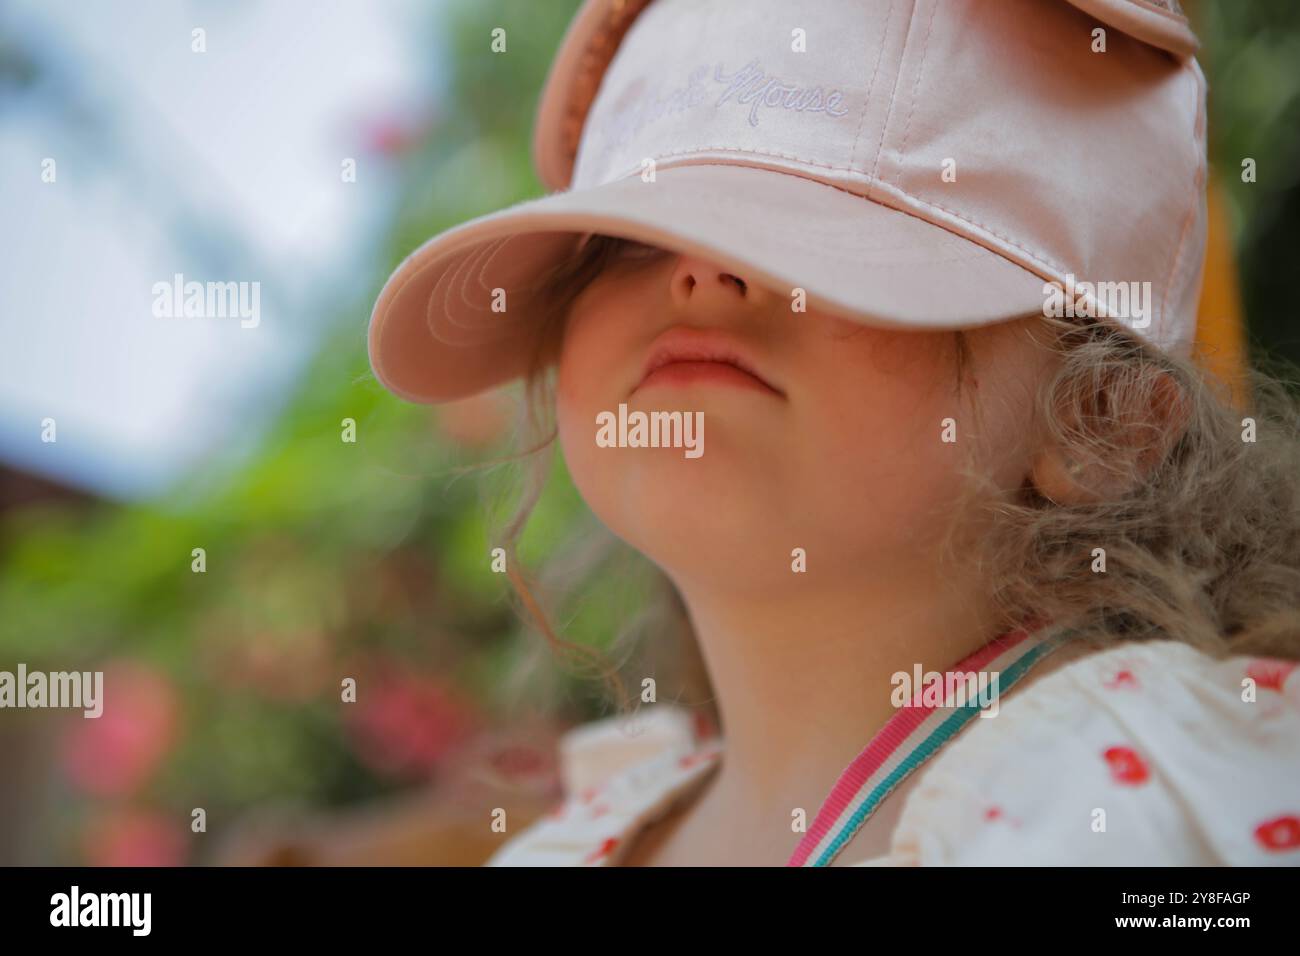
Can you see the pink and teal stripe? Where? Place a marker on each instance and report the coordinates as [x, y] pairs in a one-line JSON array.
[[910, 738]]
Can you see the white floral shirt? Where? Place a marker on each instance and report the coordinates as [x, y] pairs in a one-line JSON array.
[[1150, 754]]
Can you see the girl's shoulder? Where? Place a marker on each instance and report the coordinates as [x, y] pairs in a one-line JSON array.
[[619, 776], [1149, 753]]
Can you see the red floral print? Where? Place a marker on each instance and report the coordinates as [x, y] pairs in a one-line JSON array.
[[1123, 680], [1126, 766], [1280, 834], [1270, 672], [602, 851]]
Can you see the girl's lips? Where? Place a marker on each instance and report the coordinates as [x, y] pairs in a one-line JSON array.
[[686, 372], [684, 356]]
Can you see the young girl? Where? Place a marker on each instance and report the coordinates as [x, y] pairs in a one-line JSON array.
[[983, 567]]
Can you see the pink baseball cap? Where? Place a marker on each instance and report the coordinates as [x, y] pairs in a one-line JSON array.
[[913, 164]]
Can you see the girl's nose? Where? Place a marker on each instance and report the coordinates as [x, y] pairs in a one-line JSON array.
[[701, 284]]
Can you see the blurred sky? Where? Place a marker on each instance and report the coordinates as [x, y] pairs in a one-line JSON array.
[[222, 166]]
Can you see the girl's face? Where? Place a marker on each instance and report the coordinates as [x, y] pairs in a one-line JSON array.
[[818, 433]]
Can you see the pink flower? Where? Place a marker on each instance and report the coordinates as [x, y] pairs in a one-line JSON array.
[[406, 724], [517, 761], [115, 754], [134, 838], [398, 132]]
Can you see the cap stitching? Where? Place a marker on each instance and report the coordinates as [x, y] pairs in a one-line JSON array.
[[757, 151], [1039, 257], [893, 95], [1163, 11], [1197, 186], [871, 85], [916, 85]]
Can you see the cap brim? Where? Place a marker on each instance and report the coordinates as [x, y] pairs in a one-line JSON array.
[[439, 330]]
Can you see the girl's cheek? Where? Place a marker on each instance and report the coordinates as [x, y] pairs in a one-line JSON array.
[[879, 387], [578, 373], [569, 407], [578, 398]]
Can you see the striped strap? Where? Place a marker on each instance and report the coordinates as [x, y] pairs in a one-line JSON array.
[[910, 738]]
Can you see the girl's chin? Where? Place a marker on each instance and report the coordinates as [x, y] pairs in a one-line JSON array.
[[679, 504]]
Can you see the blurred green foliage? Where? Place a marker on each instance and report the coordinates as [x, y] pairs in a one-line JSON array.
[[1251, 57], [322, 557]]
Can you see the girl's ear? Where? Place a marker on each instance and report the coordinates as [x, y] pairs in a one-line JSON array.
[[1137, 441]]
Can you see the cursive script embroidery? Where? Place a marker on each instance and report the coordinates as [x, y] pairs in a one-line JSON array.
[[750, 84], [624, 120]]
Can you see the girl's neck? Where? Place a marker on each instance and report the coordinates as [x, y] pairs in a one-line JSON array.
[[804, 676]]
